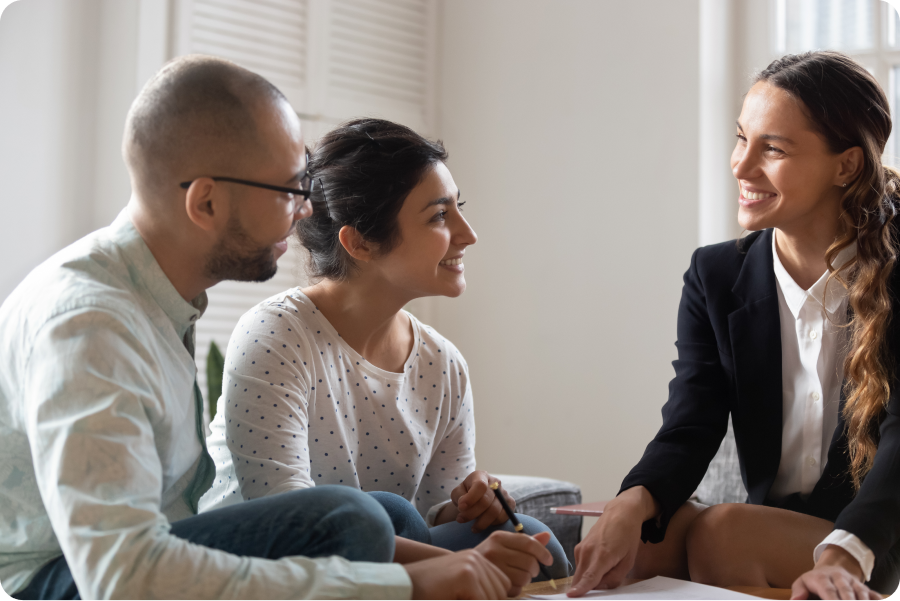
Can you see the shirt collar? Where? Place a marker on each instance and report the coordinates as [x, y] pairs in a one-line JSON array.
[[830, 296], [149, 276]]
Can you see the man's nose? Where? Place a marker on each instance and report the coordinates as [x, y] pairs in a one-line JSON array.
[[302, 209]]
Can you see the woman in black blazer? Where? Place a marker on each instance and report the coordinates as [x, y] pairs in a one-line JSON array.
[[808, 164]]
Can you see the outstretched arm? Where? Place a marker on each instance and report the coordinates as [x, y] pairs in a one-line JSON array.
[[495, 569], [92, 398], [608, 553], [695, 419]]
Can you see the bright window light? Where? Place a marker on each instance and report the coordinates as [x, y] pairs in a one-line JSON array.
[[847, 25]]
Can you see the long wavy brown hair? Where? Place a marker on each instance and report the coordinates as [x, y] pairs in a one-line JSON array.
[[845, 104]]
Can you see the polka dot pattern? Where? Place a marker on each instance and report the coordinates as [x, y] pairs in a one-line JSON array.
[[301, 408]]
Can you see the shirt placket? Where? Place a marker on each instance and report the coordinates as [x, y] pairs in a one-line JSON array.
[[206, 468], [810, 327]]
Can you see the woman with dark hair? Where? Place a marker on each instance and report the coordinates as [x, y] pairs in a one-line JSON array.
[[794, 332], [337, 384]]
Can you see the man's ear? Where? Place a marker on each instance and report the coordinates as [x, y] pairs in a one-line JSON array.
[[204, 204], [355, 245]]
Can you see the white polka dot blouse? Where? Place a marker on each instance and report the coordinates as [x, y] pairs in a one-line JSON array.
[[300, 408]]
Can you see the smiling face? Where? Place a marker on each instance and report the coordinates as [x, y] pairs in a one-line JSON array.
[[434, 235], [261, 219], [788, 177]]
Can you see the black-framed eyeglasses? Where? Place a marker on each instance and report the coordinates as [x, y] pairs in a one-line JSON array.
[[305, 190]]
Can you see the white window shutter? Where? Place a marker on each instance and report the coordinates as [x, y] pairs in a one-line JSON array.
[[379, 59], [269, 37], [334, 60]]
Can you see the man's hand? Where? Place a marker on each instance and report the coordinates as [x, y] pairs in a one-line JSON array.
[[609, 551], [837, 575], [475, 500], [517, 555], [462, 575]]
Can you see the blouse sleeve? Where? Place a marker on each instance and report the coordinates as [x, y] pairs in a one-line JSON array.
[[452, 460], [266, 391]]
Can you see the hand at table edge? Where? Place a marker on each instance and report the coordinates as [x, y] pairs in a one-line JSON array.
[[837, 575]]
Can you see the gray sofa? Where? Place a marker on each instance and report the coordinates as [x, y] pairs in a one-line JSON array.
[[722, 482], [535, 496]]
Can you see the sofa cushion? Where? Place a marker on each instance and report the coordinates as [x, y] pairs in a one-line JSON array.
[[722, 482]]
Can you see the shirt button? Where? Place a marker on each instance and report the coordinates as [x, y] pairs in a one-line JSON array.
[[815, 396], [813, 334], [811, 461]]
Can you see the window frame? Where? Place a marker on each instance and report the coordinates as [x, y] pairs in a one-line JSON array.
[[880, 60]]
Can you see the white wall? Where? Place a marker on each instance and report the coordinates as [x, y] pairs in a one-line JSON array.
[[736, 42], [67, 74], [572, 129]]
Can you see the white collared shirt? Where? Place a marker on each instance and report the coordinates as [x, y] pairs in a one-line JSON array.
[[100, 440], [813, 348]]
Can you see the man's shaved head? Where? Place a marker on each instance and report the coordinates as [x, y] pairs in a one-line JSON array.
[[199, 116]]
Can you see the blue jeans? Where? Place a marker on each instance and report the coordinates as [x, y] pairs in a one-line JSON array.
[[315, 522], [456, 537]]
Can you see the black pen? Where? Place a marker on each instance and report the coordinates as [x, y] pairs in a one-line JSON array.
[[495, 486]]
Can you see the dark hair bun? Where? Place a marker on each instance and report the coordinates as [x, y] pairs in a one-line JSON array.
[[363, 171]]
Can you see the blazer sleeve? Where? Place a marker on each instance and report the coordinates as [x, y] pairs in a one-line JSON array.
[[695, 417], [874, 514]]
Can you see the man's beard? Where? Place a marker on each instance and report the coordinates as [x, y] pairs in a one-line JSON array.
[[236, 257]]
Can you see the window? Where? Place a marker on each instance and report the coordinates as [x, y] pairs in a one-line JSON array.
[[868, 30], [847, 25]]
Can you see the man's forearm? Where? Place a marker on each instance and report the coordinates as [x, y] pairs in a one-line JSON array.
[[408, 551]]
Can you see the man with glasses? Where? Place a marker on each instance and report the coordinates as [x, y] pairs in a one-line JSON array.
[[101, 434]]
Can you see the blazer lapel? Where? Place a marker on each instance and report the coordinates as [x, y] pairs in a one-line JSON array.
[[755, 330]]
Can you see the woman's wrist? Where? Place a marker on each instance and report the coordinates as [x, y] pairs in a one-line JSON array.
[[446, 514], [635, 503], [836, 556]]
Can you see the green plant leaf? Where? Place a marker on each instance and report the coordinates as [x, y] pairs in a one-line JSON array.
[[215, 367]]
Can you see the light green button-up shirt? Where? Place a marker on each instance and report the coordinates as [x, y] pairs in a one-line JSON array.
[[99, 439]]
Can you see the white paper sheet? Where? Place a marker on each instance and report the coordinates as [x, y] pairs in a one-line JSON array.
[[660, 588]]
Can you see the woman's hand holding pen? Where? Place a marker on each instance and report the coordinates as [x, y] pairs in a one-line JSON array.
[[475, 500], [608, 552]]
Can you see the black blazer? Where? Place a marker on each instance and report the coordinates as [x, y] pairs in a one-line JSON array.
[[729, 361]]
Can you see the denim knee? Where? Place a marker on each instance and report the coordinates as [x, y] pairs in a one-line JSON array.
[[364, 524], [323, 521], [406, 520]]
